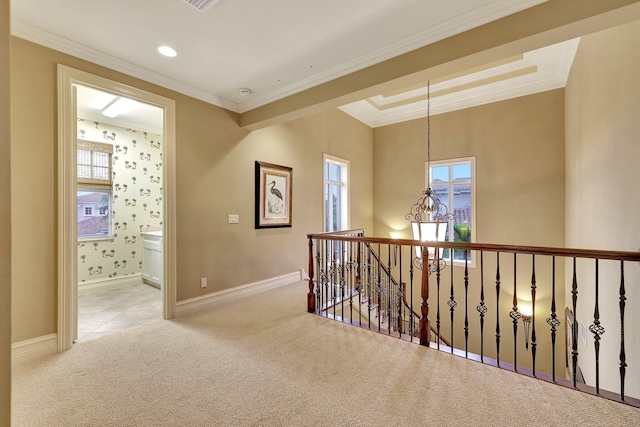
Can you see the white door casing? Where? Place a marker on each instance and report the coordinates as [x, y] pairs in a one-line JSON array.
[[68, 78]]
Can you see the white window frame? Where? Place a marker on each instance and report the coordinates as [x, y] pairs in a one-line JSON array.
[[449, 202], [344, 191], [88, 183], [88, 210]]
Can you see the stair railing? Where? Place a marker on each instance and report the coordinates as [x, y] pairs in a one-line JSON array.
[[479, 300]]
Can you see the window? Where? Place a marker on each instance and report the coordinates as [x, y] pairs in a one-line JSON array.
[[94, 163], [336, 194], [94, 189], [453, 182]]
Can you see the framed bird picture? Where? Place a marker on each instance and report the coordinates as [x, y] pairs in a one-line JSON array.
[[273, 195]]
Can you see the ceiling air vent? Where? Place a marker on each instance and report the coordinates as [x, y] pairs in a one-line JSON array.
[[202, 5]]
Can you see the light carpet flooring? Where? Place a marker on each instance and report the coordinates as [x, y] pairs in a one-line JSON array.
[[263, 361], [102, 313]]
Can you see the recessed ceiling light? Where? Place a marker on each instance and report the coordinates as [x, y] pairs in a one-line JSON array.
[[167, 51], [245, 91]]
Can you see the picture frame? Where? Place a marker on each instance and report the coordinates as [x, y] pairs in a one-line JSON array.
[[274, 185]]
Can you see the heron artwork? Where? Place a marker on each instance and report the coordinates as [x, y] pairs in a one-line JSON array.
[[275, 208]]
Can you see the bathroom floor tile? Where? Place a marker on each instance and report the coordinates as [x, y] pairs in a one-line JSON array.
[[104, 312]]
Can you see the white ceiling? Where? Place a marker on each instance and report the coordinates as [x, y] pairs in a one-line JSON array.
[[276, 48], [282, 47], [91, 103]]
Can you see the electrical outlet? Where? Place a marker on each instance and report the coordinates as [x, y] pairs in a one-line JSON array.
[[203, 282], [234, 219]]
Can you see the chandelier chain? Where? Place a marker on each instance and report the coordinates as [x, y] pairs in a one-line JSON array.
[[428, 134]]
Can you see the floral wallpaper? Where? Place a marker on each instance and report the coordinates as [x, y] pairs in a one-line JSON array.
[[136, 201]]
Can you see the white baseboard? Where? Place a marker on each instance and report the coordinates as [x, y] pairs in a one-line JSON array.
[[239, 291], [106, 284], [34, 348]]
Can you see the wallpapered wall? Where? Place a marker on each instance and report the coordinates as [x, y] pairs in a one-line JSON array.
[[136, 202]]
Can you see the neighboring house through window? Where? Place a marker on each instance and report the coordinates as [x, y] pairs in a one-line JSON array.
[[94, 189], [453, 182], [336, 194]]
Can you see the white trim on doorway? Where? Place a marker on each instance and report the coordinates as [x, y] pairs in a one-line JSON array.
[[68, 78]]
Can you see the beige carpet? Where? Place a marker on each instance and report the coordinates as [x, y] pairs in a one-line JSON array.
[[264, 361]]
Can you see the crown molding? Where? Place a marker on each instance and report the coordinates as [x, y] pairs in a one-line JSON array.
[[457, 24], [46, 39]]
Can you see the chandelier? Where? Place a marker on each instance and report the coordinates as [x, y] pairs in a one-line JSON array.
[[429, 216]]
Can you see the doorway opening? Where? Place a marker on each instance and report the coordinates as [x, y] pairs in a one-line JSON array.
[[116, 192], [119, 212]]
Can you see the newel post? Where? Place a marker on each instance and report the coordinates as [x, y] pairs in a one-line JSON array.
[[311, 296], [425, 327]]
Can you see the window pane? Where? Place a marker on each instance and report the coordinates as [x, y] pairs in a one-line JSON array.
[[462, 171], [326, 171], [440, 173], [101, 173], [441, 192], [335, 172], [93, 213], [327, 210], [100, 159], [335, 214], [461, 217], [84, 171], [84, 157]]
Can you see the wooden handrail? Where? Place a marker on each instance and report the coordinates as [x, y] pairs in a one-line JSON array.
[[490, 247]]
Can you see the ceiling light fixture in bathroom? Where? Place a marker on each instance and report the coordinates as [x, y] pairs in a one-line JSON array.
[[119, 106]]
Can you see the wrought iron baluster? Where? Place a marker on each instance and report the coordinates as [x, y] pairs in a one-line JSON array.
[[534, 343], [597, 330], [390, 294], [437, 256], [359, 280], [498, 308], [350, 273], [369, 285], [412, 331], [343, 283], [552, 320], [325, 277], [515, 313], [401, 310], [334, 280], [311, 296], [482, 309], [574, 326], [379, 291], [623, 357], [466, 305], [452, 302]]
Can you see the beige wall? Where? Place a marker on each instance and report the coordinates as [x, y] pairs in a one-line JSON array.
[[215, 177], [5, 221], [603, 201], [519, 150]]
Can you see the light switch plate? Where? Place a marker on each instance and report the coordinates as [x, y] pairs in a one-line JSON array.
[[234, 219]]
